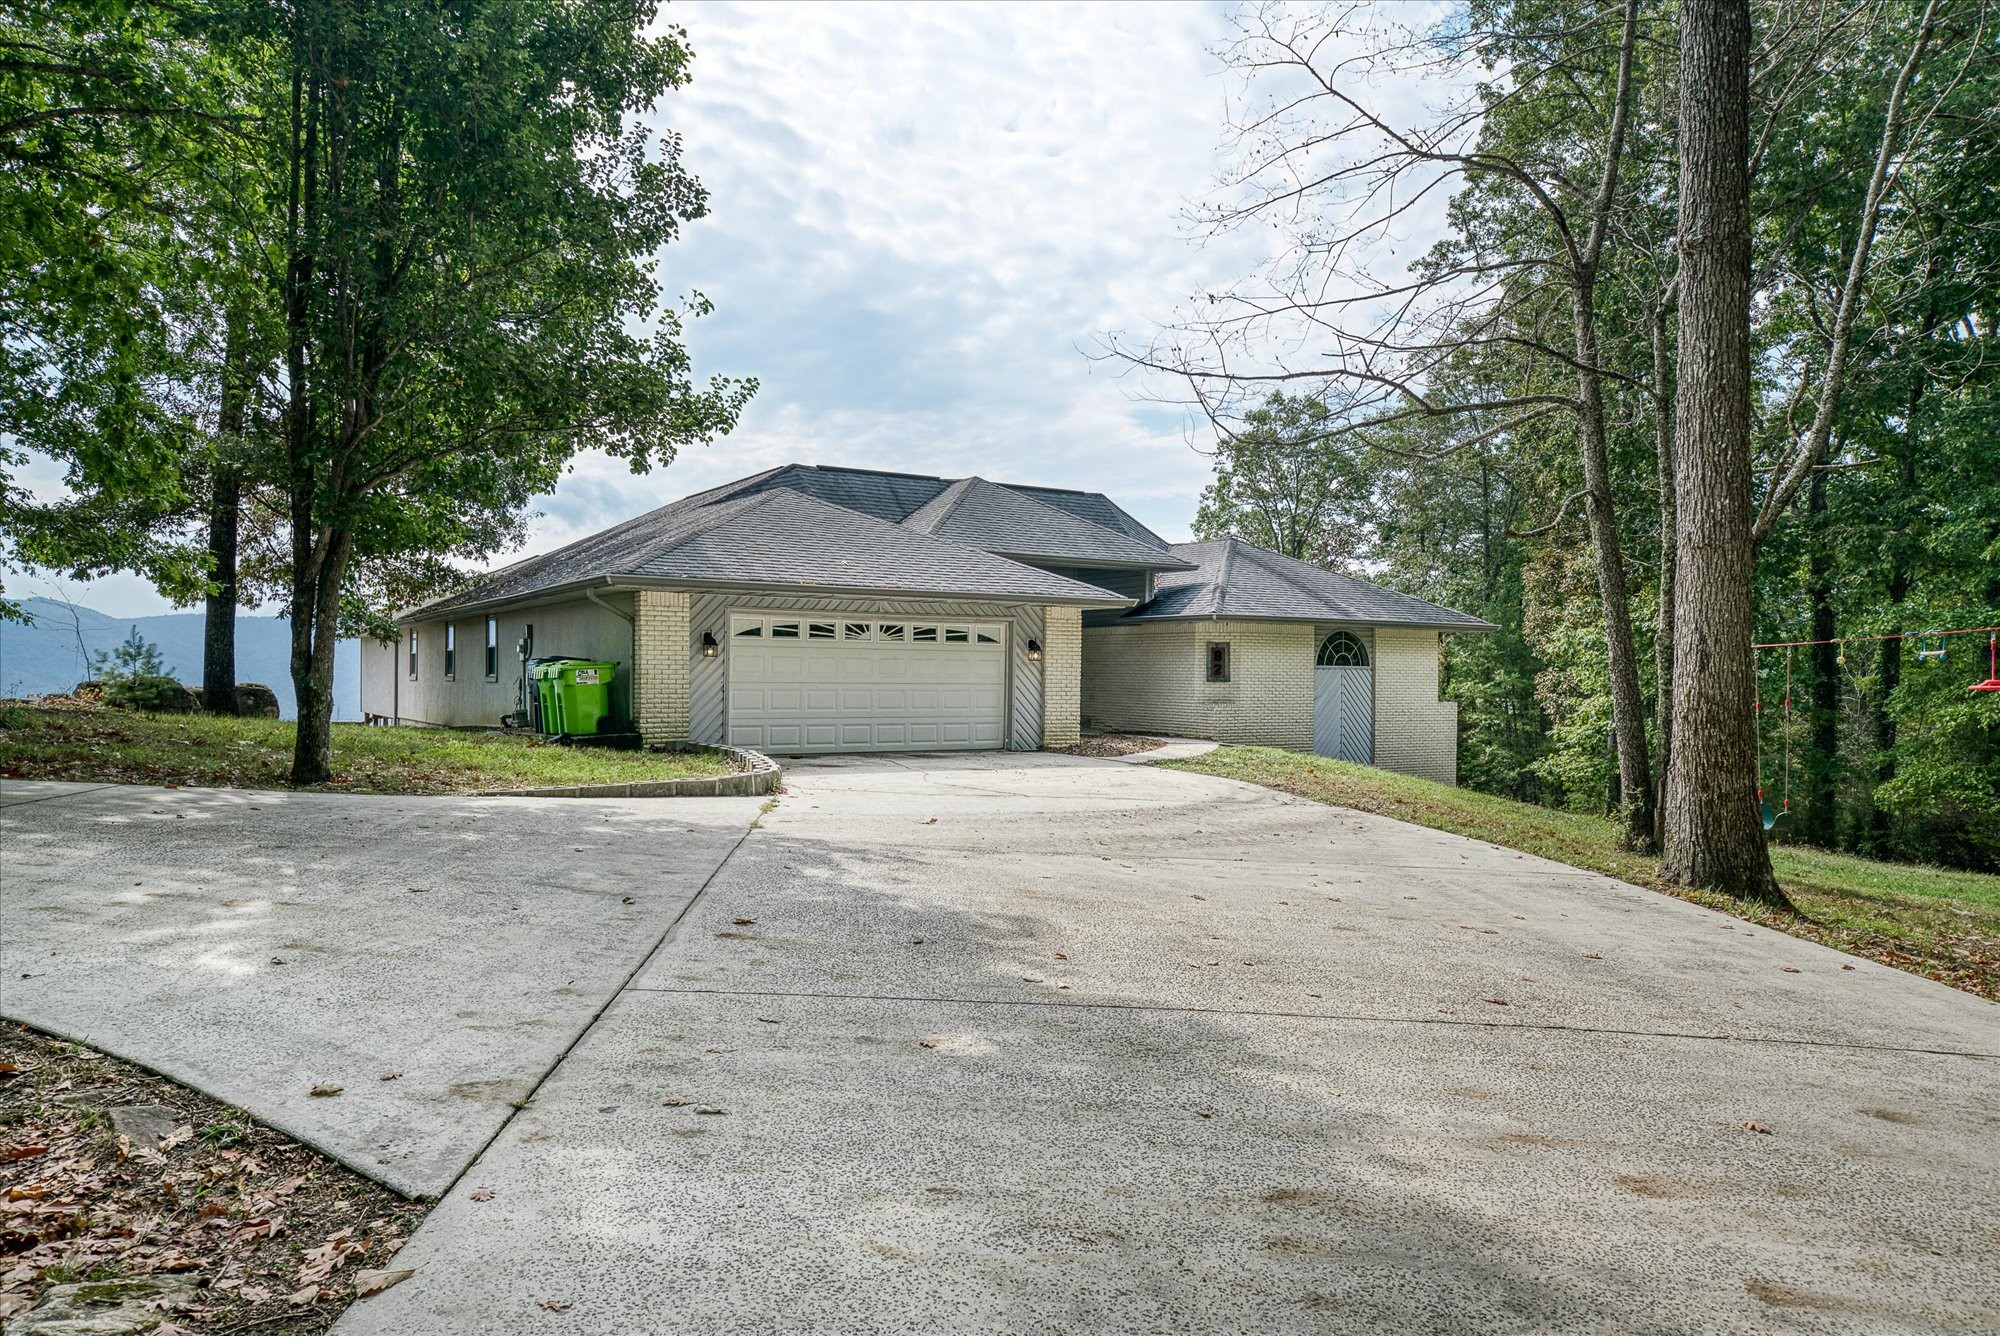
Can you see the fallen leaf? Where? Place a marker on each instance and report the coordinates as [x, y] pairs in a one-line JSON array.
[[1496, 1001], [931, 822], [482, 1194], [672, 1102], [1847, 967], [392, 1076], [325, 1091], [1204, 1113], [1791, 969], [557, 1305], [1060, 956], [374, 1282], [1749, 1126], [304, 1295], [631, 900], [927, 1043], [23, 1152], [711, 1110], [1197, 897], [743, 922], [254, 1294], [767, 1020]]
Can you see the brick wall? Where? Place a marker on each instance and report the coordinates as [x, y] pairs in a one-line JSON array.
[[1415, 732], [660, 645], [1062, 672], [1151, 678]]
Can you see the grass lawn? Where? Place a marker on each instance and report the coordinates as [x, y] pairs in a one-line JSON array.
[[1938, 923], [98, 744]]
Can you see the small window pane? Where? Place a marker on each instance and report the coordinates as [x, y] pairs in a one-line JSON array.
[[1218, 661], [892, 630], [1341, 650], [754, 629], [784, 630], [988, 638], [957, 635], [924, 633], [492, 648], [820, 631], [857, 630], [413, 651]]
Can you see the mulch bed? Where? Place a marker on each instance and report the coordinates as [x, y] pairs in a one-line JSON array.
[[250, 1230], [1111, 744]]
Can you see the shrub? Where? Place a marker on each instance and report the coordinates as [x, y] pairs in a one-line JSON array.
[[157, 694], [135, 677]]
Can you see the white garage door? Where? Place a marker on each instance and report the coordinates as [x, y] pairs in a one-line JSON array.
[[799, 685]]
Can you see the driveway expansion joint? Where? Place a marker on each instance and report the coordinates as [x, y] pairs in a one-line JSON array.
[[1353, 1017]]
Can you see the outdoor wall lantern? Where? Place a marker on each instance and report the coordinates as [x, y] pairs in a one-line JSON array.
[[1034, 651], [708, 645]]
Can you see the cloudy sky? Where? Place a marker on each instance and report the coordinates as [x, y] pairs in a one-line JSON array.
[[922, 219]]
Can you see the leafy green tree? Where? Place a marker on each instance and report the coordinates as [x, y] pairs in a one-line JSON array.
[[471, 216], [1281, 484]]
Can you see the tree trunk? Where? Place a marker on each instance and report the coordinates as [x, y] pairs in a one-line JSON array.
[[218, 629], [315, 633], [1714, 838], [218, 636], [1663, 632], [1628, 709], [1822, 817]]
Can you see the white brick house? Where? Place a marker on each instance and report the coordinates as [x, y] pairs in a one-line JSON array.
[[817, 609]]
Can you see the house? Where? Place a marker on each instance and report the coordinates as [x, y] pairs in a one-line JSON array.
[[815, 609]]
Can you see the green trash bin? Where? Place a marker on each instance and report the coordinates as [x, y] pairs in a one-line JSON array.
[[548, 694], [583, 694]]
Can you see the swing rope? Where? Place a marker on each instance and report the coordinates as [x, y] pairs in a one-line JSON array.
[[1785, 737]]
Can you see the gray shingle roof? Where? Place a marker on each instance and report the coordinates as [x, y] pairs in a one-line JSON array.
[[779, 537], [1005, 520], [1240, 580], [1096, 507]]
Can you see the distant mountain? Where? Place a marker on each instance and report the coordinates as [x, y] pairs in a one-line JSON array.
[[55, 653]]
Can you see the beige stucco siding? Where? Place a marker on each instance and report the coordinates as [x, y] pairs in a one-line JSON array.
[[470, 699], [1415, 732], [1151, 678]]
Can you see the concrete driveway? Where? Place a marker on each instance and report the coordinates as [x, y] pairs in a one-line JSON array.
[[1030, 1043], [261, 945], [1039, 1044]]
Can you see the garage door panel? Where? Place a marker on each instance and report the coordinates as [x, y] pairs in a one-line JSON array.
[[874, 685]]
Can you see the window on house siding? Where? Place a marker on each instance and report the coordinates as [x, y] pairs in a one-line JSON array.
[[1218, 660], [413, 654], [450, 653], [1341, 650], [492, 649]]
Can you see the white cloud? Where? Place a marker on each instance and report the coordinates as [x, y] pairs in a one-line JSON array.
[[922, 218]]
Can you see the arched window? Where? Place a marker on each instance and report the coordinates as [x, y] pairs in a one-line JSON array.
[[1341, 650]]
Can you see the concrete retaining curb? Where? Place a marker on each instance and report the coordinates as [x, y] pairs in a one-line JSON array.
[[759, 776]]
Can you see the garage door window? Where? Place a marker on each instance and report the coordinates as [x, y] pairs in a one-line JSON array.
[[784, 630], [857, 630], [753, 629]]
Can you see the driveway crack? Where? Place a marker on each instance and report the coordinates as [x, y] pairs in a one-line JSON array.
[[1361, 1017]]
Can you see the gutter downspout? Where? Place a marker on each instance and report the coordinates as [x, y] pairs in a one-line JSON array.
[[632, 679]]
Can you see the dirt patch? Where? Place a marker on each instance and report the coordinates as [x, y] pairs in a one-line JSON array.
[[1111, 744], [109, 1173], [1779, 1295]]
